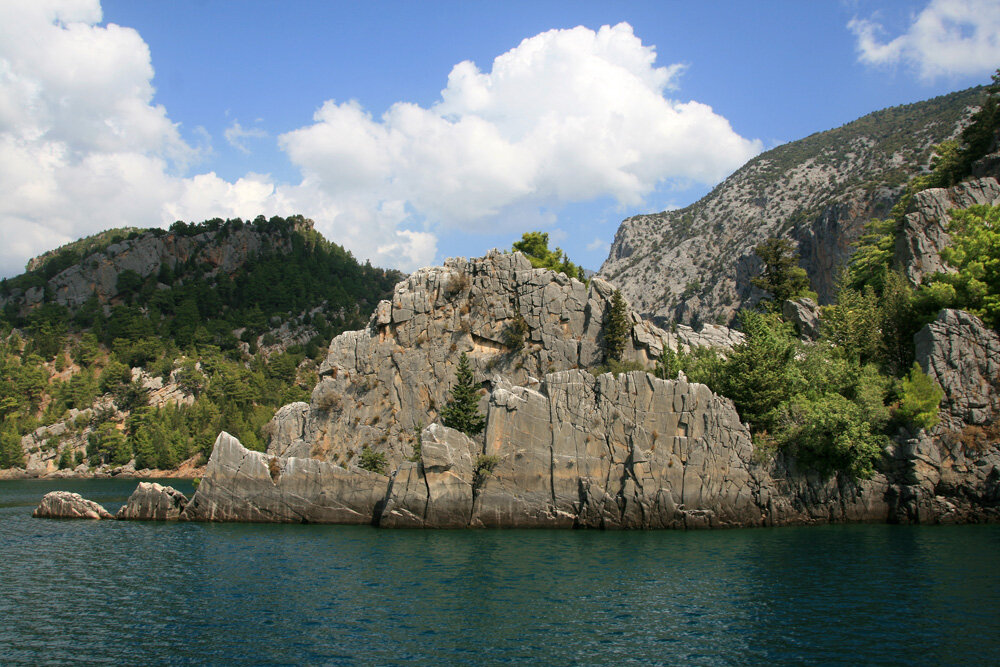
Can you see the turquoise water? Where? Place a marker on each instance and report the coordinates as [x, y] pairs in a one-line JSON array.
[[135, 592]]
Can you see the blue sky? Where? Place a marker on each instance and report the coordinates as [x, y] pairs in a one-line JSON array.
[[413, 131]]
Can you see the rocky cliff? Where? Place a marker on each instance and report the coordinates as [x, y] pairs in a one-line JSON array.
[[695, 264], [380, 385], [565, 448]]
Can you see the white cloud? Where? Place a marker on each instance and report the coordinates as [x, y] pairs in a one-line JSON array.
[[597, 244], [237, 135], [567, 115], [947, 38]]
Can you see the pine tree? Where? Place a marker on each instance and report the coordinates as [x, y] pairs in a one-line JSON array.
[[782, 276], [616, 328], [462, 411]]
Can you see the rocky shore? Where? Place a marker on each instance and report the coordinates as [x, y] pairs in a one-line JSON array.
[[564, 447]]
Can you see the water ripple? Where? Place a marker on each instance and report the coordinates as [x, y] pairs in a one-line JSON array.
[[132, 592]]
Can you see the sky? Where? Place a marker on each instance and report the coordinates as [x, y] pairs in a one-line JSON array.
[[414, 131]]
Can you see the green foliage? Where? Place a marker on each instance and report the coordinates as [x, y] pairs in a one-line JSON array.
[[616, 328], [701, 364], [829, 432], [107, 444], [535, 246], [66, 458], [462, 410], [781, 276], [819, 402], [482, 468], [11, 455], [372, 460], [975, 253], [920, 400], [515, 333], [758, 375], [418, 444], [872, 259]]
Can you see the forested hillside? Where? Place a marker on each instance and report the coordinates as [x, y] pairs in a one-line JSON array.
[[145, 344]]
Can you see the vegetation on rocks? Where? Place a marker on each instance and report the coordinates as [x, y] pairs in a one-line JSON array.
[[535, 246], [781, 276], [462, 410], [234, 346], [975, 254], [616, 328], [373, 461]]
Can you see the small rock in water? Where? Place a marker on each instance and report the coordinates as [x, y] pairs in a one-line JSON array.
[[152, 502], [66, 505]]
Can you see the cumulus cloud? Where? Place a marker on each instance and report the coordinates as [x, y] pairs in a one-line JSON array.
[[947, 38], [567, 115]]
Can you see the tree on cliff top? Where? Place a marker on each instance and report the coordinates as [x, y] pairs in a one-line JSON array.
[[462, 411], [535, 246]]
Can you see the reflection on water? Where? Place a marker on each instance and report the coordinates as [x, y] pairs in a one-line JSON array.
[[137, 592]]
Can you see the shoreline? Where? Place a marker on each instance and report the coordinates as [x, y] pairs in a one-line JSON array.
[[12, 474]]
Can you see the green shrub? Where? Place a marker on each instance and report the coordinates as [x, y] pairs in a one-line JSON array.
[[515, 333], [373, 461], [921, 399], [483, 468]]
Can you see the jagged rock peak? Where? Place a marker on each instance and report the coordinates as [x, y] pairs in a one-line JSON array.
[[380, 385]]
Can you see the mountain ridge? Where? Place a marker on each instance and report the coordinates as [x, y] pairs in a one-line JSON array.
[[694, 264]]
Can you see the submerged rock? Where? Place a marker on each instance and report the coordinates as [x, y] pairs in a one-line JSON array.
[[152, 502], [66, 505]]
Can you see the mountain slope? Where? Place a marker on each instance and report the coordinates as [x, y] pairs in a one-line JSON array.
[[695, 264], [145, 343]]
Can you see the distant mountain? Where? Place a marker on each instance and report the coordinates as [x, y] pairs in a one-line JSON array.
[[695, 264]]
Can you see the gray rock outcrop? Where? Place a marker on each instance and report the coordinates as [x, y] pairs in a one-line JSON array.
[[925, 230], [575, 450], [66, 505], [380, 385], [963, 356], [952, 474], [567, 448], [803, 314], [153, 502], [243, 485]]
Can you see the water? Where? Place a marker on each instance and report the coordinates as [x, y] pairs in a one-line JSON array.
[[106, 592]]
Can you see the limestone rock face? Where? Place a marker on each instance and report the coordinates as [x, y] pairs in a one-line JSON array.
[[804, 315], [66, 505], [574, 450], [925, 230], [380, 385], [695, 264], [152, 502], [286, 430], [963, 356], [242, 485], [626, 451], [952, 474], [437, 491]]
